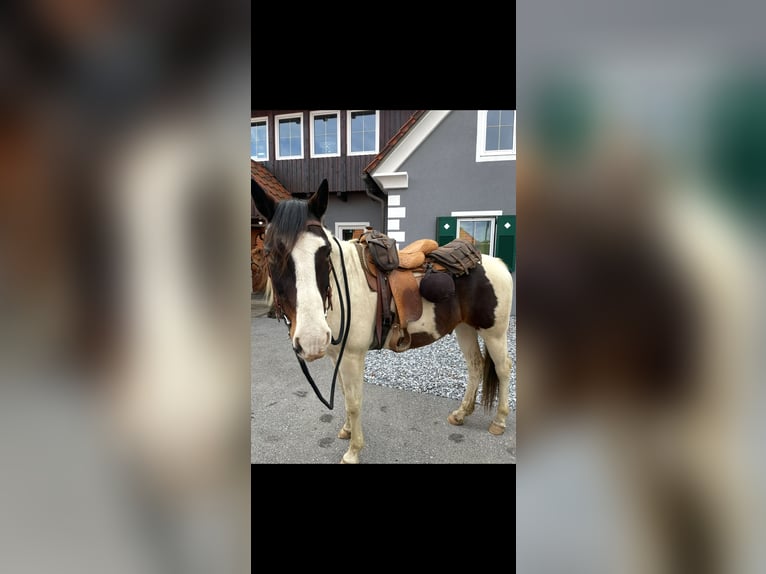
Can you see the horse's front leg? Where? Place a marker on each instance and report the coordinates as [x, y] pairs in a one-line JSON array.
[[345, 431], [352, 377]]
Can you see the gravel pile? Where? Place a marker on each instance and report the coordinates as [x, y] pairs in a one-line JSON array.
[[438, 368]]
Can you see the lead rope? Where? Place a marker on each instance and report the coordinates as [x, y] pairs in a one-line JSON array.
[[342, 335]]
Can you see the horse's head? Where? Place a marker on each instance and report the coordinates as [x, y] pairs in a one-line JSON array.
[[298, 252]]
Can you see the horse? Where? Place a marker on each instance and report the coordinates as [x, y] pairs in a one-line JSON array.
[[301, 255]]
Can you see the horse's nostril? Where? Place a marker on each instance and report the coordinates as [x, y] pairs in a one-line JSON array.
[[297, 346]]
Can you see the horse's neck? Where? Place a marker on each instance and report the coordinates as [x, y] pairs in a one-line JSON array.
[[350, 260], [353, 274]]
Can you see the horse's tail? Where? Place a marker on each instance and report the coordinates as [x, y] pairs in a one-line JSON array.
[[490, 382]]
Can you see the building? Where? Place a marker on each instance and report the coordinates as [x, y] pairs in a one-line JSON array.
[[409, 173]]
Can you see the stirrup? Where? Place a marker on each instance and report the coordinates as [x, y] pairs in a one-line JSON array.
[[404, 341]]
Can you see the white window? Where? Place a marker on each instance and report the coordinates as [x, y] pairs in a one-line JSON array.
[[480, 231], [348, 230], [289, 136], [362, 127], [325, 134], [259, 139], [496, 135]]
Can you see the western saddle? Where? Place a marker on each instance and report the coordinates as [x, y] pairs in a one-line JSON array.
[[396, 276]]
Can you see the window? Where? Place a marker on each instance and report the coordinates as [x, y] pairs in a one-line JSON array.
[[325, 134], [496, 135], [349, 230], [491, 231], [289, 136], [362, 127], [259, 139], [480, 232]]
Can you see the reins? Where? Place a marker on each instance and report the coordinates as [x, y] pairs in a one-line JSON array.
[[345, 324]]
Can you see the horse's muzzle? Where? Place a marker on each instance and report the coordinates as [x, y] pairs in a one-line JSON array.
[[312, 353]]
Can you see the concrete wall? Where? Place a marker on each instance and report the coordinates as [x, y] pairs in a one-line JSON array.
[[359, 207], [444, 176]]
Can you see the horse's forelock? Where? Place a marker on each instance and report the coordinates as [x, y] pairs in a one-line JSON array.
[[289, 220]]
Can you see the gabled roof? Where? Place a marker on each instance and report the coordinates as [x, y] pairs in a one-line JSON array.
[[384, 169], [391, 144], [268, 181]]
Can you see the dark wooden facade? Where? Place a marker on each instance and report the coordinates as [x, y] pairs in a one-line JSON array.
[[344, 173]]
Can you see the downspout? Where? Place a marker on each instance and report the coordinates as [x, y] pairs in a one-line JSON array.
[[374, 192]]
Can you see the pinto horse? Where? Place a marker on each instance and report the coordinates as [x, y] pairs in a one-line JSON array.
[[302, 253]]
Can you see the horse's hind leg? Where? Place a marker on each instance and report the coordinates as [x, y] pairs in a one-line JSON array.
[[469, 345], [496, 342]]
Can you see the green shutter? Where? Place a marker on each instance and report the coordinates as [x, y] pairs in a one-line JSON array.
[[505, 244], [446, 229]]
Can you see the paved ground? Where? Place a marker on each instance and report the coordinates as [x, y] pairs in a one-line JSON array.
[[290, 425]]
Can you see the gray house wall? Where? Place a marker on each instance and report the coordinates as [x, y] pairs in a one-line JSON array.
[[444, 176], [359, 207]]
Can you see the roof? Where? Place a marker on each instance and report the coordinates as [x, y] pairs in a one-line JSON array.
[[269, 183], [391, 144]]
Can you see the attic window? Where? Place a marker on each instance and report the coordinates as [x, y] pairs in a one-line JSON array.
[[259, 139], [363, 127], [289, 136], [496, 135], [325, 134]]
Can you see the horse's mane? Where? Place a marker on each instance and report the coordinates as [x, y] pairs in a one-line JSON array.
[[289, 220]]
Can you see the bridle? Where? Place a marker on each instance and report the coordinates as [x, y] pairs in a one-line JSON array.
[[345, 319]]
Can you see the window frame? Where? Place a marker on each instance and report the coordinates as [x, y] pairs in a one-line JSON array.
[[277, 119], [492, 228], [349, 151], [261, 119], [313, 115], [340, 226], [482, 154]]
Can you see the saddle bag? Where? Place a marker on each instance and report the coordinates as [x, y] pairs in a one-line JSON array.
[[382, 248], [458, 257], [437, 286]]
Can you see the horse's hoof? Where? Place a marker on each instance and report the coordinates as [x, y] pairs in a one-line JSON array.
[[344, 461], [496, 429], [344, 434], [451, 419]]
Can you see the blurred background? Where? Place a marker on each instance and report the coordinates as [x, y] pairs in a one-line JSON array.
[[124, 355], [641, 194], [124, 286]]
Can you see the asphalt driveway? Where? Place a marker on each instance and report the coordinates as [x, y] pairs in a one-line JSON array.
[[290, 425]]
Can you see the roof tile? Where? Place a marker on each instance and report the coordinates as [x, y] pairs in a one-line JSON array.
[[268, 182]]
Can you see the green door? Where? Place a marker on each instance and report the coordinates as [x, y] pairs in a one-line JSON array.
[[505, 242], [446, 229]]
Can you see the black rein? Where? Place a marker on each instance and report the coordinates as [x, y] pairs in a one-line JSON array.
[[342, 335]]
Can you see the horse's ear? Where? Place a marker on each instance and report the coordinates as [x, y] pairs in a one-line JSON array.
[[264, 203], [318, 201]]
